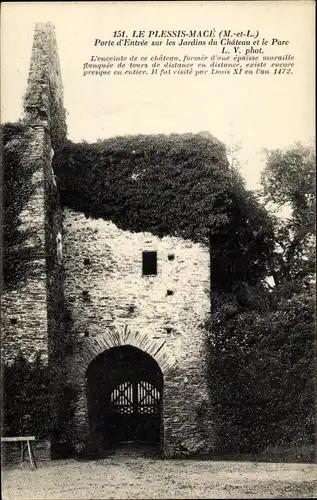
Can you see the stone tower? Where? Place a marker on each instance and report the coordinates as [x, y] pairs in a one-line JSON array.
[[31, 319], [32, 311]]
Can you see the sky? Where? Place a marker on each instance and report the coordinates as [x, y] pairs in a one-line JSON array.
[[258, 112]]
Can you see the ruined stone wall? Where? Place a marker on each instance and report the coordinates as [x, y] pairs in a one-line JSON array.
[[43, 101], [24, 314], [28, 321], [84, 291], [111, 303], [28, 308], [32, 311]]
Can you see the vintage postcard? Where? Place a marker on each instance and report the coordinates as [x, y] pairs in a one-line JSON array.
[[158, 249]]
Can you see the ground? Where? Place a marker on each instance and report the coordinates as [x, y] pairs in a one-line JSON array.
[[125, 476]]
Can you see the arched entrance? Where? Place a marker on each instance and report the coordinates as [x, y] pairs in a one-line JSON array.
[[124, 396]]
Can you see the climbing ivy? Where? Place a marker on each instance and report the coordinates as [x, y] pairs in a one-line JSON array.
[[175, 185], [17, 189]]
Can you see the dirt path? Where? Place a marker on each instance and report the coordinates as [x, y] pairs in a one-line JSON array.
[[135, 477]]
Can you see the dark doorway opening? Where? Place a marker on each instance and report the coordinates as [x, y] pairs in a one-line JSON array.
[[124, 394]]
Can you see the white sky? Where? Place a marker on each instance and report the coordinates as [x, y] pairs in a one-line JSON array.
[[260, 112]]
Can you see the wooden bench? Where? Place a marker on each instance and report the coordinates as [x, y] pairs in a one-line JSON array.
[[23, 439]]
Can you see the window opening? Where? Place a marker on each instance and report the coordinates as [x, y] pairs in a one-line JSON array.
[[149, 263]]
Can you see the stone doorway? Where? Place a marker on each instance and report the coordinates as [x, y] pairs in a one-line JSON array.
[[124, 396]]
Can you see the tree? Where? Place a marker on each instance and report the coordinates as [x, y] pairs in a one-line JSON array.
[[261, 352], [288, 180], [26, 407], [37, 399], [261, 370]]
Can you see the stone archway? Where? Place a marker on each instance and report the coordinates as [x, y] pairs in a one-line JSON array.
[[95, 345], [90, 349], [124, 398]]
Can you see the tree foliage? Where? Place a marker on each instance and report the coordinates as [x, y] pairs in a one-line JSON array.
[[261, 342], [288, 181], [176, 185], [37, 400], [26, 407], [262, 370]]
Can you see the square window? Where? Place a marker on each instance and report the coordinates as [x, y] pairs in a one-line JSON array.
[[149, 263]]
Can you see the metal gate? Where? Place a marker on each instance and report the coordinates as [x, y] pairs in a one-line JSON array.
[[136, 408]]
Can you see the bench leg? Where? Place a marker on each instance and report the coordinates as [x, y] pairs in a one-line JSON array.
[[23, 448], [22, 451], [31, 455]]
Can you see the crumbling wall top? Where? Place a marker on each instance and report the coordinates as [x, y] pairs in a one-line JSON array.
[[43, 100]]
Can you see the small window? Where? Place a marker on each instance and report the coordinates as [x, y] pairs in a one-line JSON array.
[[149, 263]]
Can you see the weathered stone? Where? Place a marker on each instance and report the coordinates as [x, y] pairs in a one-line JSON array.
[[114, 277], [38, 303], [88, 293]]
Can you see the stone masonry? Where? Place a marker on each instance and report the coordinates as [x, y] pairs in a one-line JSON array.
[[90, 272], [112, 304], [31, 319]]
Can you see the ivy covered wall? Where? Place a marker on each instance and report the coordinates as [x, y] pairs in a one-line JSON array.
[[177, 185]]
